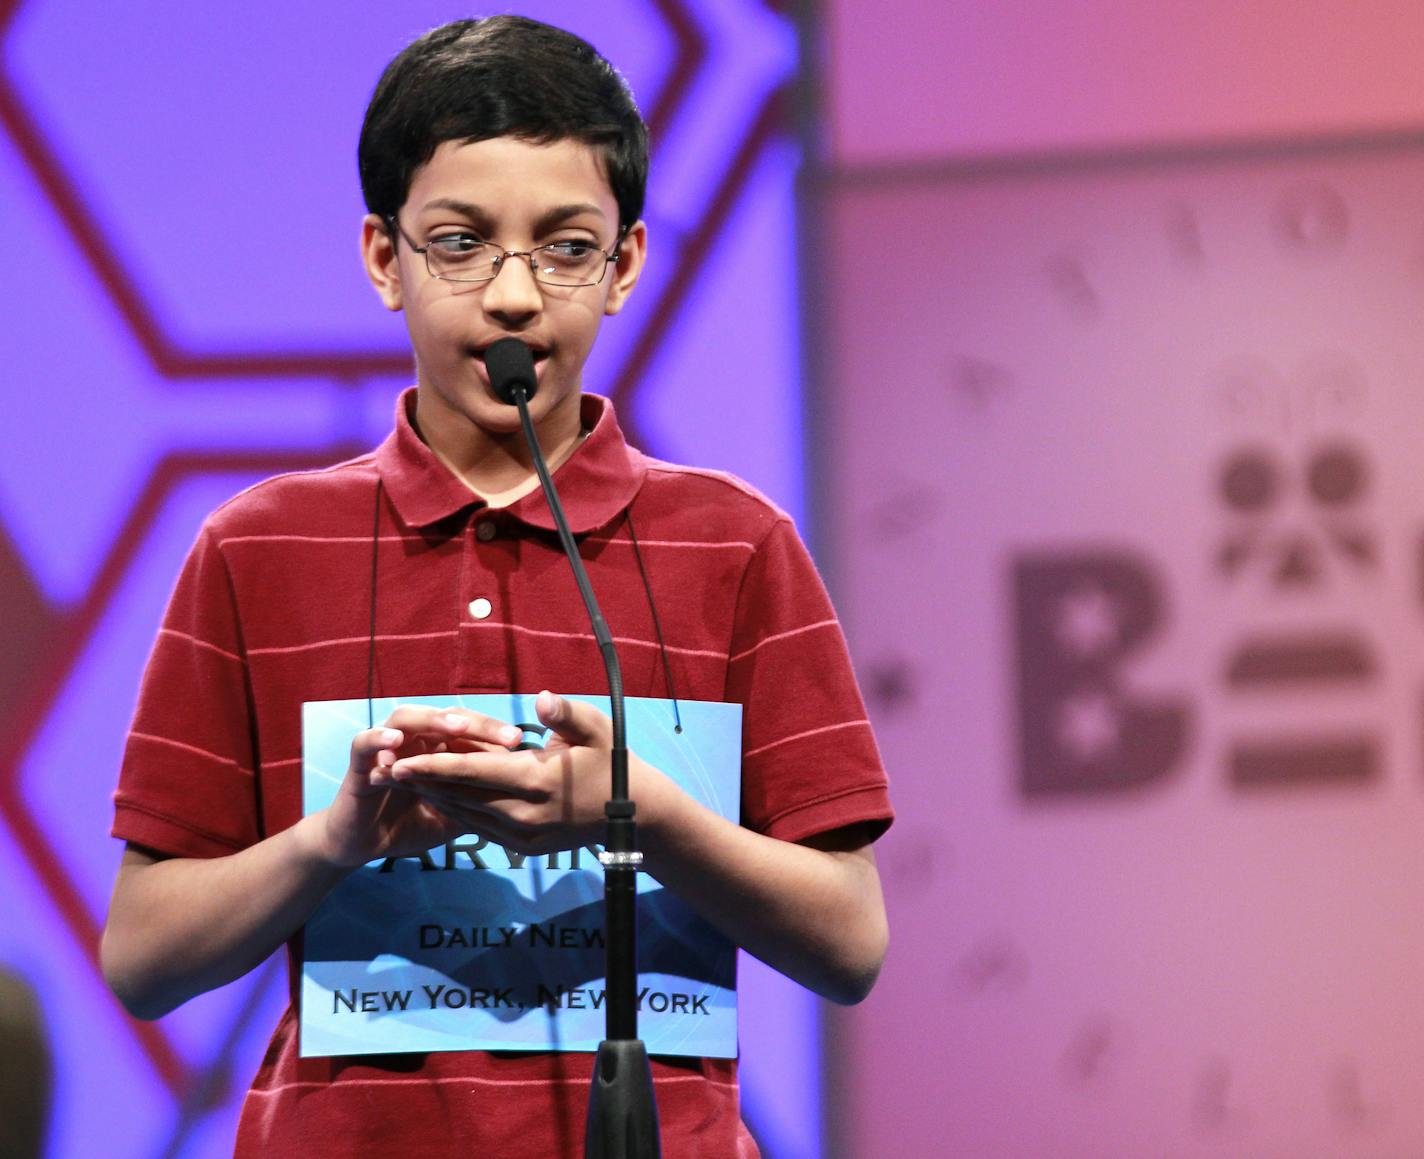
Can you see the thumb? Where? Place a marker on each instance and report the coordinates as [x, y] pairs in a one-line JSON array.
[[574, 721]]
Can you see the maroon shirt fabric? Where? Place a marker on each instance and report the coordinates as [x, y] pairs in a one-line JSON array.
[[274, 607]]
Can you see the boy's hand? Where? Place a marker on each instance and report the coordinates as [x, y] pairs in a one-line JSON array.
[[532, 800], [375, 816]]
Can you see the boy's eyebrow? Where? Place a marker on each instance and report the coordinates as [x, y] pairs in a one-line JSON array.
[[464, 208], [564, 212], [547, 219]]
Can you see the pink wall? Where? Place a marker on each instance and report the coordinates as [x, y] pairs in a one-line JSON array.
[[954, 78], [1121, 423]]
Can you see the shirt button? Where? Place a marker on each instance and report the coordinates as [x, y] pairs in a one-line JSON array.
[[485, 530], [481, 608]]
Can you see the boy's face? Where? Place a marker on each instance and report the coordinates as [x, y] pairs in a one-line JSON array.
[[517, 195]]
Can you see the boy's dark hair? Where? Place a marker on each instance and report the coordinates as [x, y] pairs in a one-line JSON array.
[[503, 76]]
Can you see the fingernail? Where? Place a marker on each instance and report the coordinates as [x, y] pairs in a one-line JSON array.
[[388, 736], [509, 734]]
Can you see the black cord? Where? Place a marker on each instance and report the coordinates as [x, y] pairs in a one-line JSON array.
[[620, 856], [657, 623], [371, 646], [601, 634]]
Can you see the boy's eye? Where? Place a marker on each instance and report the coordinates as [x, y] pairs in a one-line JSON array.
[[574, 252], [459, 245]]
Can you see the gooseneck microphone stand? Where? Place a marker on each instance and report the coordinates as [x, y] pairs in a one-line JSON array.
[[622, 1113]]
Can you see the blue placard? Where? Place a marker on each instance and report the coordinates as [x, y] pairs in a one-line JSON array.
[[474, 947]]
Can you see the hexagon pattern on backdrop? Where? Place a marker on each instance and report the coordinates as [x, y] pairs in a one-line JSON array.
[[186, 314]]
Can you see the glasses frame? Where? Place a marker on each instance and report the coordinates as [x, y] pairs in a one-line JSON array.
[[610, 256]]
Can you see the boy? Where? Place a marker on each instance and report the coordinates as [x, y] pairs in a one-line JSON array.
[[503, 165]]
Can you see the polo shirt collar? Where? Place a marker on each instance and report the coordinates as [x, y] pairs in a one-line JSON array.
[[596, 483]]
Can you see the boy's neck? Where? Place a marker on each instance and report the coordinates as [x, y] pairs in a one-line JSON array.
[[497, 466]]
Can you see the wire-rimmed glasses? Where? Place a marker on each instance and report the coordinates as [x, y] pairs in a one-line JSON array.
[[463, 257]]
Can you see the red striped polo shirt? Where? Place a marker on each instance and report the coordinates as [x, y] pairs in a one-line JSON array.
[[275, 606]]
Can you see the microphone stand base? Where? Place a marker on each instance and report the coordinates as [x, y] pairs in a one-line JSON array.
[[622, 1115]]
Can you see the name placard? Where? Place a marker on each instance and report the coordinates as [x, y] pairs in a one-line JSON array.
[[471, 946]]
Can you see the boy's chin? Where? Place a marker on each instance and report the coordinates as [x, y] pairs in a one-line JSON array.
[[494, 416], [474, 402]]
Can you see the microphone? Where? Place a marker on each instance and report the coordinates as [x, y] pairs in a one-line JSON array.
[[622, 1118], [511, 366]]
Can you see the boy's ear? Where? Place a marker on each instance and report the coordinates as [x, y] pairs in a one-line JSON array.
[[628, 267], [378, 254]]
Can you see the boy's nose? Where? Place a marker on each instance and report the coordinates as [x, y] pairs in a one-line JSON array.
[[513, 292]]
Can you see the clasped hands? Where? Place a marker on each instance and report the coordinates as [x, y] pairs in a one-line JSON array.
[[428, 775]]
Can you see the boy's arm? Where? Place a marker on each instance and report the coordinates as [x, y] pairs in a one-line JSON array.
[[180, 926], [812, 910]]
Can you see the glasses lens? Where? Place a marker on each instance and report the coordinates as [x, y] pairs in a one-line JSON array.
[[569, 263], [458, 258]]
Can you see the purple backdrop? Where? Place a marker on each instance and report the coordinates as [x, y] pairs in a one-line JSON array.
[[188, 314]]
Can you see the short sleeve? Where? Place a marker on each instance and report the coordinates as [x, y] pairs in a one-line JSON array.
[[810, 763], [187, 786]]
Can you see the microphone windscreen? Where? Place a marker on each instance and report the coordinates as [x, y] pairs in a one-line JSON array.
[[510, 364]]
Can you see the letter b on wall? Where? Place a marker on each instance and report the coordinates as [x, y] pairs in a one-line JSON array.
[[1077, 618]]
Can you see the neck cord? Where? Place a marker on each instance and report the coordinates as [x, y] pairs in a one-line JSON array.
[[371, 646], [657, 623]]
